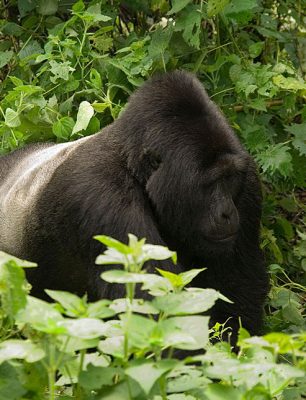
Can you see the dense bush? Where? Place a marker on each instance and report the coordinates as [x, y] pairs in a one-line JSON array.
[[67, 69]]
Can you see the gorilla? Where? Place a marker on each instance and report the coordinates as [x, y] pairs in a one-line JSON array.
[[169, 169]]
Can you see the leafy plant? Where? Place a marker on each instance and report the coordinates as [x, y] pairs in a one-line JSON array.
[[45, 348]]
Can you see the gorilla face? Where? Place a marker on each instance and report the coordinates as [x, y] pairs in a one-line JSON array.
[[206, 219]]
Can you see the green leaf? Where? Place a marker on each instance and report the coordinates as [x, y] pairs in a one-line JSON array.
[[121, 276], [11, 118], [5, 57], [299, 133], [84, 328], [20, 349], [41, 316], [100, 309], [137, 305], [188, 333], [178, 5], [10, 386], [93, 14], [84, 115], [31, 50], [214, 7], [113, 243], [160, 41], [74, 306], [289, 83], [192, 301], [276, 158], [218, 391], [60, 70], [190, 23], [11, 28], [63, 127], [13, 288], [4, 258], [146, 373], [241, 10], [47, 7], [97, 377]]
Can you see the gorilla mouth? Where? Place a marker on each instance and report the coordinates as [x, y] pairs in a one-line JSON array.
[[223, 239]]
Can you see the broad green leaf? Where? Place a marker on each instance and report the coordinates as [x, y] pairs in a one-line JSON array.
[[5, 57], [11, 118], [11, 28], [139, 330], [96, 377], [47, 7], [113, 346], [30, 51], [41, 316], [84, 328], [138, 306], [121, 276], [20, 349], [214, 7], [218, 391], [188, 333], [146, 373], [193, 301], [63, 127], [155, 252], [178, 5], [189, 275], [84, 115], [100, 309], [74, 306]]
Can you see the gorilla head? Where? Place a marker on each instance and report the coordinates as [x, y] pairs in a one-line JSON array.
[[170, 169], [189, 161]]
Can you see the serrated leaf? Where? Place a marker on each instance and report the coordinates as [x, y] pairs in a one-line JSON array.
[[11, 118], [240, 10], [84, 115], [299, 133], [190, 23], [5, 57], [63, 127], [276, 158], [60, 70]]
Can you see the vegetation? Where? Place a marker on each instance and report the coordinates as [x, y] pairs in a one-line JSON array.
[[67, 69]]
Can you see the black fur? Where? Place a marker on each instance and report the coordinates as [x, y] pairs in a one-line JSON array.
[[169, 169]]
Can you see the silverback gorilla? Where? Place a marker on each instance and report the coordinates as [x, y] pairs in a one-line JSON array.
[[169, 169]]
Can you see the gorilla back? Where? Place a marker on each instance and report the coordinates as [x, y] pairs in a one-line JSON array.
[[169, 169]]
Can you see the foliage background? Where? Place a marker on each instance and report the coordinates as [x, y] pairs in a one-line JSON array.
[[67, 69]]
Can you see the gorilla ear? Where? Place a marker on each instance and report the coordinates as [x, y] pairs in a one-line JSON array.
[[152, 158], [149, 163]]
